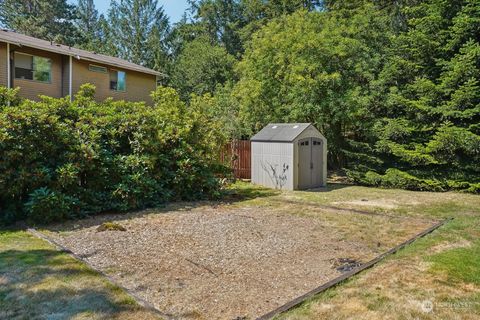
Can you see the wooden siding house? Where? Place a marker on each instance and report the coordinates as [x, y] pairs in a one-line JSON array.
[[42, 67]]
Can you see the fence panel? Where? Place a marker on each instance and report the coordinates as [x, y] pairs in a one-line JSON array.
[[237, 154]]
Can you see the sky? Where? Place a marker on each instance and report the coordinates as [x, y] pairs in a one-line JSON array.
[[173, 8]]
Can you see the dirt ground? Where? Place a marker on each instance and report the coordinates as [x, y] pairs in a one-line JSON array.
[[212, 261]]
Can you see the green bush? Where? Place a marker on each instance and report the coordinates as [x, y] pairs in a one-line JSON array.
[[62, 159], [394, 178], [46, 206], [9, 97], [474, 188]]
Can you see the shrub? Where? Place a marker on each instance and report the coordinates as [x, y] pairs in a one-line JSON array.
[[394, 178], [9, 97], [474, 188], [373, 178], [61, 159], [46, 206]]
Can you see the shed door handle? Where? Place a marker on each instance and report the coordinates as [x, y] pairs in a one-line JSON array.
[[311, 165]]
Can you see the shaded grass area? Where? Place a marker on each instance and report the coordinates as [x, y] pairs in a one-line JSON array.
[[437, 277], [39, 282]]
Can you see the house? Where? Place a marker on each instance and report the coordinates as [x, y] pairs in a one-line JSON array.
[[42, 67], [289, 156]]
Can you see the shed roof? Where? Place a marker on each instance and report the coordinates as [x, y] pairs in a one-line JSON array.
[[27, 41], [280, 132]]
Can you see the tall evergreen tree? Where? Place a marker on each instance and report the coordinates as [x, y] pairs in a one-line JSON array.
[[221, 20], [231, 23], [46, 19], [95, 31], [88, 24], [107, 43], [428, 125], [140, 30]]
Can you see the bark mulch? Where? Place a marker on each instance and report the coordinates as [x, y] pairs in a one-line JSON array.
[[216, 262]]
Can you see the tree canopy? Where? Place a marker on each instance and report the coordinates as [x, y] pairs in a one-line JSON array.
[[394, 85], [50, 20]]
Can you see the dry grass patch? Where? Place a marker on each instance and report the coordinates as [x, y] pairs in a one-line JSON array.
[[397, 289], [437, 277], [110, 226]]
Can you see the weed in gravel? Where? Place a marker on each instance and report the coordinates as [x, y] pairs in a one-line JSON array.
[[111, 226]]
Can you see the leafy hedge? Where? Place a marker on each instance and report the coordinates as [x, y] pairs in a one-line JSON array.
[[394, 178], [62, 159]]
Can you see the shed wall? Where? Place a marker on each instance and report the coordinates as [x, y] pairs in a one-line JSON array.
[[272, 164]]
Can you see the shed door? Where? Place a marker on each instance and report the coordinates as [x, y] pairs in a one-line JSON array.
[[304, 163], [317, 162]]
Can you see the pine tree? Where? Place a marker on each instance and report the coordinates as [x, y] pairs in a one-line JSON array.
[[88, 24], [107, 41], [140, 29], [427, 126], [46, 19]]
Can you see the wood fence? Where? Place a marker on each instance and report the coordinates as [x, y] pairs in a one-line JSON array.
[[237, 154]]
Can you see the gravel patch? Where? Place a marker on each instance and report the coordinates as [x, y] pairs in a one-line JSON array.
[[216, 262]]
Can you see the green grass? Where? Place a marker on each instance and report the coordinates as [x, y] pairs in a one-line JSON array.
[[39, 282], [461, 264]]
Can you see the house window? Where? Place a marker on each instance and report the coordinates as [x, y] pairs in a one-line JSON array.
[[30, 67], [117, 80], [95, 68]]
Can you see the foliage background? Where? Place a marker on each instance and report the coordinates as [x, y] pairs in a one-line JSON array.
[[394, 85]]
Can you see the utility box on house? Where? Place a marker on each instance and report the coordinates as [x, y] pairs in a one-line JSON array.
[[289, 156]]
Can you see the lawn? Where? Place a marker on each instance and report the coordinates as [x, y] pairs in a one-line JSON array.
[[437, 277]]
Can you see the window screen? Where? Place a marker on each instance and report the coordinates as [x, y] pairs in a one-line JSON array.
[[32, 68], [304, 143], [41, 69], [118, 80]]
